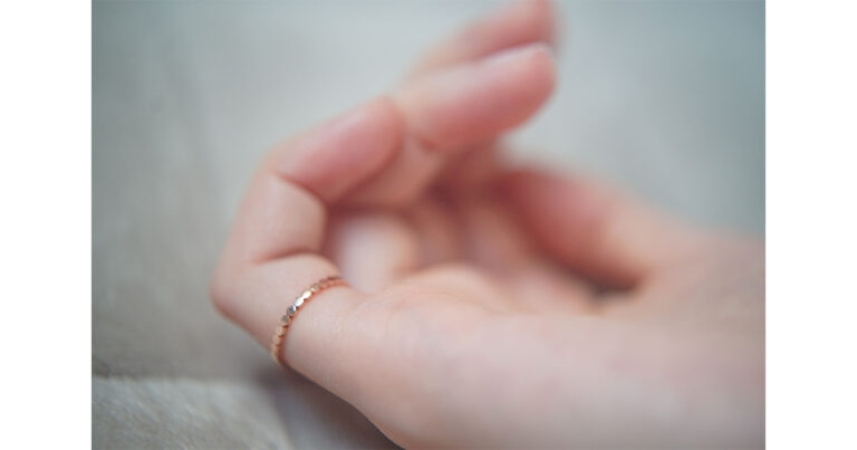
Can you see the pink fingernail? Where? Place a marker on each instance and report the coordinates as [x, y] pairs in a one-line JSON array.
[[518, 54]]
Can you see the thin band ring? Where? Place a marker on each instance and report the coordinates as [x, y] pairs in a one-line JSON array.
[[280, 333]]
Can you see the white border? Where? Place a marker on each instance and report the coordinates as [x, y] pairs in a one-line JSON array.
[[45, 193], [811, 207], [45, 190]]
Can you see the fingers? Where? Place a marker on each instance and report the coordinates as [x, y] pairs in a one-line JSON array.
[[270, 255], [436, 229], [457, 107], [475, 170], [472, 102], [373, 249], [457, 96], [518, 23], [496, 240], [337, 156], [491, 237], [283, 211], [382, 153], [596, 231]]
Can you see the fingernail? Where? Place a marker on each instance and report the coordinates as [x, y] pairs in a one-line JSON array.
[[517, 54]]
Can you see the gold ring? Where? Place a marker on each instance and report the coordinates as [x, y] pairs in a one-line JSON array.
[[286, 320]]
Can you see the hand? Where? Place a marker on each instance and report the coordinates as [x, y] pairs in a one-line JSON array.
[[490, 306]]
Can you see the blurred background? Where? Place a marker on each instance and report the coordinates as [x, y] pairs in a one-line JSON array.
[[665, 98]]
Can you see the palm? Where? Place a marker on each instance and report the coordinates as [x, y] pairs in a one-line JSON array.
[[463, 291]]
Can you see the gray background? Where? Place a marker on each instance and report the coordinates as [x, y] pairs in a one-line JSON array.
[[663, 97]]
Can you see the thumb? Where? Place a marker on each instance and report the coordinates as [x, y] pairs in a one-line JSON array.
[[594, 229]]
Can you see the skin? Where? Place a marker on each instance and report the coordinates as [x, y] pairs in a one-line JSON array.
[[491, 306]]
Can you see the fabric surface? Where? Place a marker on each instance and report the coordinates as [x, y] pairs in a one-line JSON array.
[[664, 98]]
